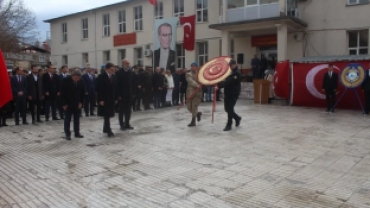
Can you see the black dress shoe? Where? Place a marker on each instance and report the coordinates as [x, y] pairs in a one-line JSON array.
[[87, 115], [39, 121], [56, 119], [47, 119], [129, 127], [4, 125], [123, 128], [68, 137], [110, 134], [227, 128], [237, 121], [25, 123], [33, 122], [79, 136], [92, 114], [17, 123]]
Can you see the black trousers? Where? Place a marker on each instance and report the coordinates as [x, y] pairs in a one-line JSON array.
[[157, 98], [106, 127], [35, 104], [137, 99], [367, 101], [60, 107], [124, 108], [163, 97], [76, 121], [175, 96], [4, 114], [89, 103], [147, 98], [230, 101], [20, 107], [330, 100], [182, 97], [256, 73], [50, 103]]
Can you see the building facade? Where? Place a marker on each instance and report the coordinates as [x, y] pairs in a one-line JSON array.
[[285, 29]]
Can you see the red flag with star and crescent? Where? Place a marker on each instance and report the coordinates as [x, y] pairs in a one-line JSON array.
[[154, 2], [188, 23], [5, 87]]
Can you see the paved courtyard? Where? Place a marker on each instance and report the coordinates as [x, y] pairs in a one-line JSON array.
[[280, 156]]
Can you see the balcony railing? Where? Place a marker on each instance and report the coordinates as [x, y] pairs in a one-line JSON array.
[[261, 11]]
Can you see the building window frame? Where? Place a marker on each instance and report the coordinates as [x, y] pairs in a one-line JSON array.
[[64, 32], [138, 18], [122, 21], [41, 59], [106, 56], [202, 10], [121, 54], [358, 46], [65, 60], [85, 58], [178, 8], [202, 52], [158, 10], [180, 53], [139, 56], [357, 2], [85, 28], [232, 48], [106, 25]]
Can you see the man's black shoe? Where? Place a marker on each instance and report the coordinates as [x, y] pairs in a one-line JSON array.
[[129, 127], [56, 119], [25, 123], [39, 121], [123, 128], [79, 136], [33, 122], [227, 128], [237, 121], [110, 134], [47, 119], [68, 137], [92, 114], [87, 115]]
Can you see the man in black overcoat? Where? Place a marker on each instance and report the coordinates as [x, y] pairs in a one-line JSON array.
[[19, 89], [72, 96], [330, 86], [125, 90], [35, 93], [106, 95], [51, 86]]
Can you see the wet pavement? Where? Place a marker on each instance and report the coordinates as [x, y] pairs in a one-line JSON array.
[[280, 156]]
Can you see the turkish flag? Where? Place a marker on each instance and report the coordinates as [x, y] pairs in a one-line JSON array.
[[307, 84], [281, 80], [5, 88], [154, 2], [188, 23]]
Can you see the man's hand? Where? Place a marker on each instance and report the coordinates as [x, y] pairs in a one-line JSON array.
[[102, 103], [139, 86], [42, 98], [335, 91], [65, 107], [79, 105], [29, 97], [20, 93], [58, 93], [47, 93], [116, 102], [86, 93], [119, 97], [160, 88]]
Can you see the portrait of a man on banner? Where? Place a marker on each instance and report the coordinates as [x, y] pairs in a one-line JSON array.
[[165, 43]]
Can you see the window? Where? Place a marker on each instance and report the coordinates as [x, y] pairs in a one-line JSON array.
[[106, 27], [232, 4], [358, 42], [251, 2], [64, 32], [353, 2], [202, 12], [158, 11], [180, 51], [178, 8], [221, 8], [121, 54], [65, 60], [202, 53], [269, 1], [138, 11], [139, 56], [232, 49], [122, 21], [106, 56], [41, 59], [85, 28], [85, 58]]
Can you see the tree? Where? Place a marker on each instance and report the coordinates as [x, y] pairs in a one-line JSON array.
[[17, 25]]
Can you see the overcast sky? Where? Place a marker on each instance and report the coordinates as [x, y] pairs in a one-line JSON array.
[[53, 8]]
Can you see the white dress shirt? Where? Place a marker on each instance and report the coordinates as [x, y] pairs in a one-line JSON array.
[[35, 77]]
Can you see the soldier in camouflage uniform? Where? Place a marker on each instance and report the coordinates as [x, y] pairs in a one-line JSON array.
[[193, 103]]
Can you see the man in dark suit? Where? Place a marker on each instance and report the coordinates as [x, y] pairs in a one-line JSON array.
[[147, 88], [164, 57], [176, 89], [63, 75], [51, 84], [90, 82], [125, 89], [19, 89], [157, 82], [366, 90], [72, 95], [232, 88], [138, 88], [330, 86], [106, 94], [35, 93]]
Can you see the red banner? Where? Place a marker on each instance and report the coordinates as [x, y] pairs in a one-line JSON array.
[[188, 23], [307, 89], [124, 39], [5, 88], [266, 40], [281, 80]]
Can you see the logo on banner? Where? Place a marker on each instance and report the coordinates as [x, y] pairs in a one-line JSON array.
[[352, 76], [310, 80]]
